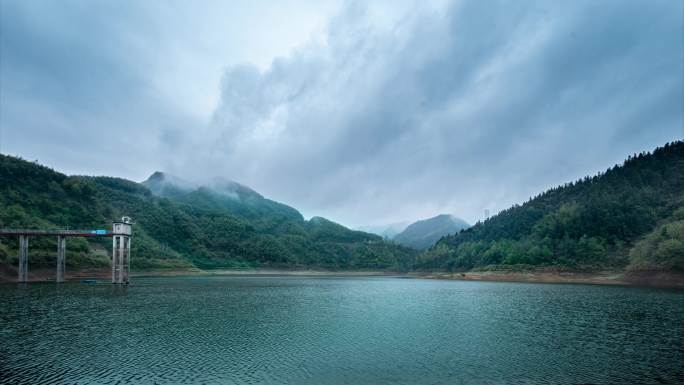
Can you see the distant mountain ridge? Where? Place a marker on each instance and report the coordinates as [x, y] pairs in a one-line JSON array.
[[628, 217], [165, 184], [422, 234], [219, 193], [179, 224], [388, 231]]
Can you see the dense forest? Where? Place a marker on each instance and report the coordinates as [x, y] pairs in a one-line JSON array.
[[630, 216], [222, 226]]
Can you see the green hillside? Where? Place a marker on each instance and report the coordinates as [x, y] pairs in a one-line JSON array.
[[629, 216], [221, 194], [203, 227]]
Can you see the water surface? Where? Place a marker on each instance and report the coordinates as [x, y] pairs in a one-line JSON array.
[[302, 330]]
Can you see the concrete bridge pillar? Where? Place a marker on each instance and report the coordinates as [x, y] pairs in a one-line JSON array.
[[127, 259], [23, 258], [114, 250], [116, 257], [61, 260], [121, 259], [121, 253]]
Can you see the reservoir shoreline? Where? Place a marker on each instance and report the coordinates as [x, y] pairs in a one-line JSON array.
[[657, 279], [9, 274]]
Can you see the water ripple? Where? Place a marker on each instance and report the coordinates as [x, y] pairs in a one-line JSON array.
[[298, 330]]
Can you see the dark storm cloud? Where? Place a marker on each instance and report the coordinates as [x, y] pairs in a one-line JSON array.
[[476, 107], [387, 117]]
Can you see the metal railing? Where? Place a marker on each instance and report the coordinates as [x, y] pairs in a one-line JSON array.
[[65, 233]]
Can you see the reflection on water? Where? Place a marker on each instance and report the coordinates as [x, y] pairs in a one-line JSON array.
[[298, 330]]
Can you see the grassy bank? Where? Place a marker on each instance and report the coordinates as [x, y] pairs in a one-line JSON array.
[[653, 278], [8, 273], [661, 279]]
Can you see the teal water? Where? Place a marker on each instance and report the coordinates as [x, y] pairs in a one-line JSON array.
[[298, 330]]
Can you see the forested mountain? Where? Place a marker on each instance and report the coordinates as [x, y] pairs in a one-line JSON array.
[[223, 224], [631, 216], [422, 234], [168, 186], [221, 194]]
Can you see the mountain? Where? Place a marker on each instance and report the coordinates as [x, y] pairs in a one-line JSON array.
[[386, 231], [178, 224], [631, 216], [168, 185], [423, 234], [220, 194]]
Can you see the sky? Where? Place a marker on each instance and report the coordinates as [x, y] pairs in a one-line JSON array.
[[366, 113]]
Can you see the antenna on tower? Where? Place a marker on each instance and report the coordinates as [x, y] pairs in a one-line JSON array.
[[486, 214]]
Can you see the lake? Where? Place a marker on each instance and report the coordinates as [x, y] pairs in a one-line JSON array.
[[305, 330]]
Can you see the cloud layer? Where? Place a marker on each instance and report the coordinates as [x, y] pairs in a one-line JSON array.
[[458, 107], [477, 106]]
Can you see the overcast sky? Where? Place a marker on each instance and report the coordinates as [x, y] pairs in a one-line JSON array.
[[365, 113]]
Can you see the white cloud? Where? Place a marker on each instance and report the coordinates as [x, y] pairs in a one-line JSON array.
[[381, 113]]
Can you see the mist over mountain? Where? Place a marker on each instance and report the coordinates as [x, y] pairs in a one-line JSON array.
[[299, 192], [424, 233], [179, 224], [388, 231], [627, 217], [165, 185], [220, 193]]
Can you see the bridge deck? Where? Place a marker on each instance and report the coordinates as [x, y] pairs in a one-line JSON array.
[[63, 233]]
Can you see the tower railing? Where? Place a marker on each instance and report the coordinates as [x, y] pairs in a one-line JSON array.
[[121, 249]]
